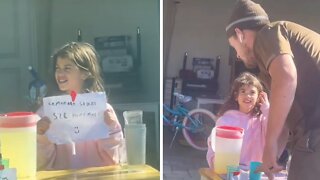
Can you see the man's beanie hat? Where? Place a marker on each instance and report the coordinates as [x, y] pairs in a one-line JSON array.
[[246, 15]]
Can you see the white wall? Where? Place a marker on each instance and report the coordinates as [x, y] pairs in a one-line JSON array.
[[304, 12], [199, 29], [112, 17], [169, 14], [42, 19], [17, 52]]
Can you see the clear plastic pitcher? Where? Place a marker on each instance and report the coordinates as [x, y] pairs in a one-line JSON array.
[[18, 142], [228, 143]]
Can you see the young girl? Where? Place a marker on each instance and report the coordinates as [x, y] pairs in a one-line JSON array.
[[77, 69], [247, 108]]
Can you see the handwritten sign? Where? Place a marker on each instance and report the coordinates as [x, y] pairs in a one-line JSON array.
[[75, 121]]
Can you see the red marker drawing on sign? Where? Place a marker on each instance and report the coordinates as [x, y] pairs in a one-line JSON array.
[[73, 95]]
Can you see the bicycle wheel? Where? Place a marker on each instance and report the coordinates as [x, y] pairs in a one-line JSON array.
[[198, 126]]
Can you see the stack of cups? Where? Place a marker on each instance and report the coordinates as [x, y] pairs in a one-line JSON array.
[[135, 137]]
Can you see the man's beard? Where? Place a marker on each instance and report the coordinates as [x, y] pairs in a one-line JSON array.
[[250, 66], [251, 60]]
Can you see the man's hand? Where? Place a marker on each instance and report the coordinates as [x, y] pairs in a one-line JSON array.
[[269, 165]]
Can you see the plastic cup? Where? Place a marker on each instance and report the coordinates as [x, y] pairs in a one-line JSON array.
[[253, 167], [5, 163], [135, 138], [233, 172], [133, 117], [244, 174]]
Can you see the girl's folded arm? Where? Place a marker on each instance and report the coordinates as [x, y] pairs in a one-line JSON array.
[[46, 153]]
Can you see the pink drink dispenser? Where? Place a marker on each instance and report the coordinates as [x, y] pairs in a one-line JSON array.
[[228, 144], [18, 142]]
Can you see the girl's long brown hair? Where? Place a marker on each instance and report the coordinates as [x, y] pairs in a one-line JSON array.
[[245, 78], [86, 58]]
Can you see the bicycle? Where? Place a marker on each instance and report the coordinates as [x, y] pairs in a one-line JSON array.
[[196, 124]]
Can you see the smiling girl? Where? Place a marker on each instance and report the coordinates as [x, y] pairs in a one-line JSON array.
[[76, 68], [247, 108]]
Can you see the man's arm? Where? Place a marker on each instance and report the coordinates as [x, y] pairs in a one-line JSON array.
[[283, 87]]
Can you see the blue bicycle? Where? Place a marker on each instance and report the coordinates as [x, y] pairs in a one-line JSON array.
[[196, 124]]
